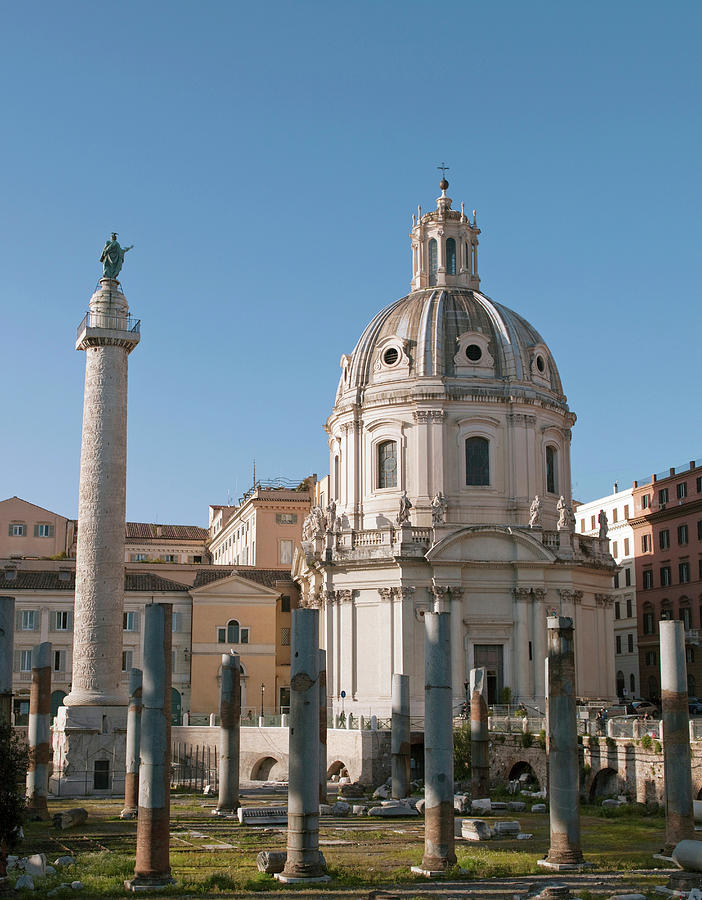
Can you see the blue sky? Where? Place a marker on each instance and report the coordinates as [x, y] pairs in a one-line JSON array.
[[265, 159]]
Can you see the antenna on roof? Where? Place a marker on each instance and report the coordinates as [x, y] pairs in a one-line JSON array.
[[254, 472]]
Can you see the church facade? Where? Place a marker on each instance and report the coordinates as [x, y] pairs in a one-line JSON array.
[[450, 472]]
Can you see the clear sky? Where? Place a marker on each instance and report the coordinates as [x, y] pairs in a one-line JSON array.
[[265, 159]]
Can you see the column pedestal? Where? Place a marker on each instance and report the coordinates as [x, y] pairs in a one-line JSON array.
[[82, 736]]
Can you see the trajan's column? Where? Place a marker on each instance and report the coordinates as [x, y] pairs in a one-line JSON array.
[[89, 742]]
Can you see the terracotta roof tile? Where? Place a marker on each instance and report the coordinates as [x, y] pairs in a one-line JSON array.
[[145, 531], [267, 577], [50, 581]]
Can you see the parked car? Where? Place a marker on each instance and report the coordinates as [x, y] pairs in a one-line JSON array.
[[694, 706], [643, 708]]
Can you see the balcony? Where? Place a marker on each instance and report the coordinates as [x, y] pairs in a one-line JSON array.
[[111, 323], [692, 636]]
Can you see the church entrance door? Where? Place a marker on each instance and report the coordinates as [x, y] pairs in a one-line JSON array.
[[489, 656]]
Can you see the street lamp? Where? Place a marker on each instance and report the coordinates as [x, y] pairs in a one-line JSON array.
[[263, 688]]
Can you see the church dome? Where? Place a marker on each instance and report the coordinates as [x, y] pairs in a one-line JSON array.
[[447, 333]]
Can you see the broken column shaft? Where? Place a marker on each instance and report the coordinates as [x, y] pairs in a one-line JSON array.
[[303, 861], [39, 732], [439, 852], [479, 740], [679, 822], [229, 736], [322, 726], [400, 736], [152, 868], [7, 634], [563, 771], [131, 775]]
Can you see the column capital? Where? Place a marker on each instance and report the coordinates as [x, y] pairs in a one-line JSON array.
[[344, 596], [605, 600], [386, 593], [539, 593], [522, 593]]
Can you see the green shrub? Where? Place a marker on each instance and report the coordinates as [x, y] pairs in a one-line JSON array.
[[542, 739], [657, 748], [461, 752], [646, 742], [527, 739]]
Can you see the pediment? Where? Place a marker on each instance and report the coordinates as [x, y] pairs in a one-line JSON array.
[[489, 543], [235, 586]]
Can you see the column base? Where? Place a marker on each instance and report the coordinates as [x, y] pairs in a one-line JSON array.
[[431, 872], [140, 883], [556, 866], [129, 812], [82, 736]]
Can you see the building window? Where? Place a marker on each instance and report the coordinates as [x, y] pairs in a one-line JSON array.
[[682, 490], [286, 551], [650, 657], [59, 661], [629, 611], [664, 539], [170, 558], [285, 637], [25, 661], [645, 500], [665, 576], [582, 524], [627, 578], [615, 514], [686, 617], [177, 622], [233, 632], [285, 603], [626, 511], [646, 543], [28, 620], [551, 470], [618, 643], [139, 557], [699, 484], [101, 775], [630, 643], [616, 580], [286, 518], [632, 683], [626, 546], [682, 534], [592, 523], [699, 530], [615, 549], [450, 256], [648, 622], [617, 609], [684, 572], [221, 635], [127, 657], [130, 621], [648, 579], [244, 636], [433, 261], [689, 654], [43, 531], [387, 464], [61, 622], [18, 529], [663, 496], [477, 461]]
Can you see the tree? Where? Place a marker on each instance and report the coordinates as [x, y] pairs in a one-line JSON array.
[[13, 771], [461, 752]]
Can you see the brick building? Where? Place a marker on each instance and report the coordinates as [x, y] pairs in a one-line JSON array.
[[667, 526]]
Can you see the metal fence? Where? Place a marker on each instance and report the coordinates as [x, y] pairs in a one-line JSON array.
[[192, 767]]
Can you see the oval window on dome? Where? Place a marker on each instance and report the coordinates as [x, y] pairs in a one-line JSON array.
[[540, 364], [473, 352], [391, 356]]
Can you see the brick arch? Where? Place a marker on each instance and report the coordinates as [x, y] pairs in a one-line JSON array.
[[605, 781], [266, 768], [523, 767]]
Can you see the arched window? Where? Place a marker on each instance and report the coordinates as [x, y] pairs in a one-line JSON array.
[[649, 621], [477, 461], [551, 470], [433, 261], [691, 686], [387, 464], [336, 477], [632, 684], [450, 256], [467, 246], [232, 631], [652, 687]]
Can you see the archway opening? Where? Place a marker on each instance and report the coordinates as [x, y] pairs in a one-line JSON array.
[[604, 784], [176, 704], [523, 772], [266, 769], [337, 769]]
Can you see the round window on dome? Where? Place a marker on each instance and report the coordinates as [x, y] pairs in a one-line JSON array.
[[473, 352], [391, 356], [540, 365]]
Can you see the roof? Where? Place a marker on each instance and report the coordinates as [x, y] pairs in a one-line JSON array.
[[144, 582], [145, 531], [266, 577], [34, 506]]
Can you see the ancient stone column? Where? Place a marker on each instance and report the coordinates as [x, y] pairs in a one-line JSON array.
[[479, 740], [322, 726], [7, 635], [107, 335], [131, 777], [153, 868], [400, 736], [39, 732], [563, 771], [679, 822], [303, 861], [229, 724], [439, 852]]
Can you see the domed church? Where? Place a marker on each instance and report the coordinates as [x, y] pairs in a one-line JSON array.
[[450, 476]]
